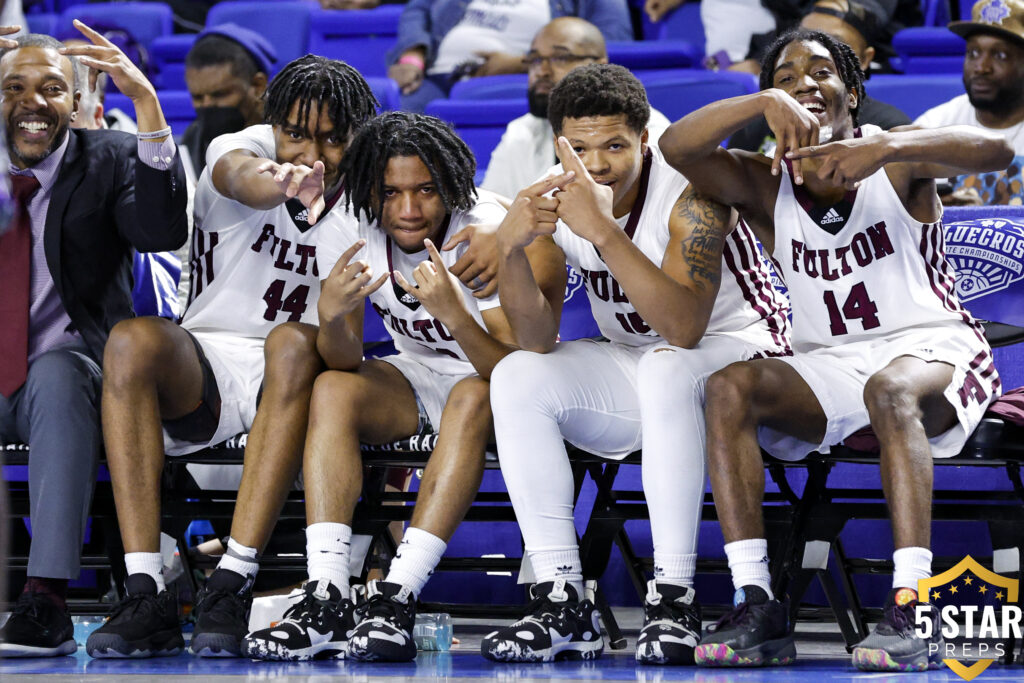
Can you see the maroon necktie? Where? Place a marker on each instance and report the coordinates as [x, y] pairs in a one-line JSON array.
[[15, 288]]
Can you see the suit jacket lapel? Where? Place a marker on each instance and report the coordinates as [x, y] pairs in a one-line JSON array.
[[72, 171]]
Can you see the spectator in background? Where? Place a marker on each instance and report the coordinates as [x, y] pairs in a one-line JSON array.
[[227, 71], [851, 23], [443, 41], [86, 193], [527, 148], [994, 101], [92, 114]]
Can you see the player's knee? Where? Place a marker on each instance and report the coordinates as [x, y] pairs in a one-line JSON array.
[[516, 378], [136, 349], [728, 392], [890, 398], [665, 365], [335, 396], [290, 354], [470, 398]]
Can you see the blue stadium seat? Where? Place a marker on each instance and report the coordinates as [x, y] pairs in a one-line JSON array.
[[683, 23], [654, 54], [156, 284], [936, 12], [503, 87], [677, 93], [928, 50], [386, 91], [359, 37], [915, 93], [176, 104], [479, 123], [167, 60], [145, 21], [45, 23], [577, 321], [285, 24]]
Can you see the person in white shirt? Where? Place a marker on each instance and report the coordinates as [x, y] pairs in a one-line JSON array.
[[994, 101], [527, 148]]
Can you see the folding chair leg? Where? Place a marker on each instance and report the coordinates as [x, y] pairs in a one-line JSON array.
[[616, 640]]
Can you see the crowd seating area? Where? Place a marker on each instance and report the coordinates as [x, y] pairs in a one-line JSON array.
[[810, 503]]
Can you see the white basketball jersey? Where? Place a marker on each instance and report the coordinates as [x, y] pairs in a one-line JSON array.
[[415, 331], [747, 304], [863, 269], [252, 269]]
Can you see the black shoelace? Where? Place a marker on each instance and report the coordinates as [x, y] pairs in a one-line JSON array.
[[131, 605], [898, 616], [224, 601], [672, 612], [737, 615], [27, 606], [380, 606], [310, 608]]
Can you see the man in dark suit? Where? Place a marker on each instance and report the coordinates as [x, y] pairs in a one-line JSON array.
[[84, 202]]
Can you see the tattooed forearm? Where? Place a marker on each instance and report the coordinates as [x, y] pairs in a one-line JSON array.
[[702, 250]]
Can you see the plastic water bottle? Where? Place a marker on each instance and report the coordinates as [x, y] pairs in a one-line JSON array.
[[85, 625], [433, 632]]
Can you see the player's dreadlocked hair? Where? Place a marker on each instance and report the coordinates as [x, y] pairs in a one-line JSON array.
[[842, 54], [402, 134], [599, 90], [314, 82]]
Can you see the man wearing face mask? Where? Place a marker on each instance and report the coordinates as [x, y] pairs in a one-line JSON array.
[[527, 148], [226, 71]]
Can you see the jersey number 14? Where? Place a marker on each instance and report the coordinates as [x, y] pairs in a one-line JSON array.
[[857, 305]]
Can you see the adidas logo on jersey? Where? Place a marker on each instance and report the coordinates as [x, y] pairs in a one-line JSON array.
[[831, 217], [408, 299], [302, 215]]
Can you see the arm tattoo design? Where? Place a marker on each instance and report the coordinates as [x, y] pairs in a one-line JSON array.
[[702, 250]]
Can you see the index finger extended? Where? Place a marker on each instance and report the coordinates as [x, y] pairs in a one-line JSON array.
[[93, 35], [346, 256], [545, 185], [435, 255], [807, 152], [570, 160]]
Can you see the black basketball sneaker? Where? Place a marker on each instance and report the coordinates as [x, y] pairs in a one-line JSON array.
[[671, 628], [895, 645], [317, 627], [754, 633], [384, 633], [144, 624], [221, 615], [557, 625]]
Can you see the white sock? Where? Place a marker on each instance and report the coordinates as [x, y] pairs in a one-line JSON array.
[[911, 564], [748, 562], [418, 554], [677, 570], [151, 564], [327, 553], [558, 563], [241, 559]]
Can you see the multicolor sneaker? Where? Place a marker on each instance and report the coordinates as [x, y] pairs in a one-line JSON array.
[[895, 645], [754, 633], [384, 633], [221, 615], [144, 624], [671, 625], [557, 625], [317, 627]]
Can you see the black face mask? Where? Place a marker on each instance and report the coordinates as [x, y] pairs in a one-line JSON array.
[[538, 103], [210, 123]]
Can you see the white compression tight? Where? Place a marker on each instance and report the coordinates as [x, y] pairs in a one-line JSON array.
[[670, 383], [597, 396]]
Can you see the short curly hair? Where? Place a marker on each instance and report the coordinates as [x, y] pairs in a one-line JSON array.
[[842, 54], [599, 90]]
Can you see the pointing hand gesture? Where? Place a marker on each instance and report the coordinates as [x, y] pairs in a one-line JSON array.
[[439, 291], [296, 180], [532, 214], [347, 285], [583, 204]]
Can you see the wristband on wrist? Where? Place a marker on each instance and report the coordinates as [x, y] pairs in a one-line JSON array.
[[415, 60], [153, 135]]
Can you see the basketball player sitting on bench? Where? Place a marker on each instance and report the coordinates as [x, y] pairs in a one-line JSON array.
[[852, 219]]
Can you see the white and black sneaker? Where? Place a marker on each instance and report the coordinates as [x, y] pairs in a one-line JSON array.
[[557, 625], [671, 628], [384, 632], [317, 627]]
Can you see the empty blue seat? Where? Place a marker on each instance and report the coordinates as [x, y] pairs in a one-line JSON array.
[[358, 37], [386, 91], [45, 23], [167, 60], [503, 87], [285, 24], [927, 50], [145, 21], [677, 93], [915, 93], [683, 23], [654, 54], [176, 105], [480, 123]]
